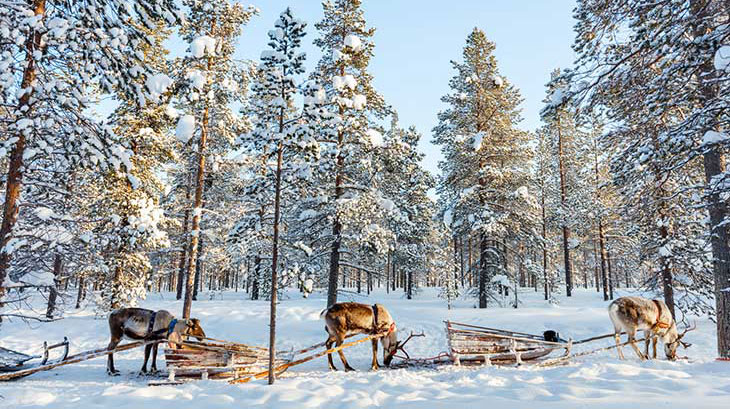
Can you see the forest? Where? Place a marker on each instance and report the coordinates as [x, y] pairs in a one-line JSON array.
[[131, 170]]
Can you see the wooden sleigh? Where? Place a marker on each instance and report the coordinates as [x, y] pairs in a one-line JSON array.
[[17, 362], [217, 359], [472, 344]]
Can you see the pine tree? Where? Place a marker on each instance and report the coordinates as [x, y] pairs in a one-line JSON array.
[[213, 82], [404, 186], [484, 175], [349, 139], [131, 219]]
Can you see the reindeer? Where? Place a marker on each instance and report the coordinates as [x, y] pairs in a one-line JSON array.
[[344, 319], [631, 314], [142, 324]]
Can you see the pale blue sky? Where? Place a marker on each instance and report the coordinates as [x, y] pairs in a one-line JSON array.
[[416, 39]]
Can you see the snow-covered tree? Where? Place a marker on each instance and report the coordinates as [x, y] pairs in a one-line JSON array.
[[211, 81], [404, 187], [56, 55], [485, 172], [348, 141], [665, 60]]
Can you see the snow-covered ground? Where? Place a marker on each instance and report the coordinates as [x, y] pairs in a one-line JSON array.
[[594, 381]]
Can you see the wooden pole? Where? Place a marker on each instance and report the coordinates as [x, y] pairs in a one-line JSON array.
[[283, 367]]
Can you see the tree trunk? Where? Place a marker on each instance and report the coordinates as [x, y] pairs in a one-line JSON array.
[[483, 265], [714, 165], [198, 280], [610, 276], [185, 247], [602, 253], [197, 214], [256, 277], [80, 292], [544, 247], [14, 179], [57, 270], [410, 284], [566, 230], [275, 255]]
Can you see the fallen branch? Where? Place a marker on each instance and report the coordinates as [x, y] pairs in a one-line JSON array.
[[27, 317]]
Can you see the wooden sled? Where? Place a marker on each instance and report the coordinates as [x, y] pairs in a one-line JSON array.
[[472, 344], [14, 361], [217, 359]]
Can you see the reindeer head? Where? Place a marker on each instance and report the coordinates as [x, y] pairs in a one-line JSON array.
[[670, 348], [390, 344], [193, 329]]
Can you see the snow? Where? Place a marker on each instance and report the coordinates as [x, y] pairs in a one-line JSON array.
[[197, 79], [352, 41], [157, 85], [203, 45], [448, 217], [185, 128], [477, 140], [595, 381], [376, 138], [722, 58], [497, 80], [340, 82], [359, 101], [171, 112], [387, 204], [557, 97], [501, 279], [714, 137], [44, 213]]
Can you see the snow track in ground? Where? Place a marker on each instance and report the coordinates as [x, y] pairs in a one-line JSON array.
[[598, 381]]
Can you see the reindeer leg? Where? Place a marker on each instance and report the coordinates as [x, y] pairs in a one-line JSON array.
[[647, 339], [153, 369], [632, 342], [340, 340], [617, 337], [147, 349], [374, 365], [116, 339], [654, 342], [328, 345]]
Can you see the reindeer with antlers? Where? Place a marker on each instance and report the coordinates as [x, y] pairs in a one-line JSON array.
[[631, 314]]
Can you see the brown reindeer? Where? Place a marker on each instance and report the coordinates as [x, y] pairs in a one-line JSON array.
[[142, 324], [631, 314], [351, 318]]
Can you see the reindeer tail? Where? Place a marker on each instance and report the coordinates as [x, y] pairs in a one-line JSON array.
[[323, 313]]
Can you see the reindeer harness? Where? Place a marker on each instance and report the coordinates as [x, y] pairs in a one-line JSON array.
[[375, 321], [659, 324], [151, 333]]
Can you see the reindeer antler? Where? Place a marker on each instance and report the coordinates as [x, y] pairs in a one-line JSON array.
[[399, 346], [686, 330]]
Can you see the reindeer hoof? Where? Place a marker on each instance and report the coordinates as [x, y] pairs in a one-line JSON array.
[[332, 368], [112, 372], [374, 368], [349, 369]]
